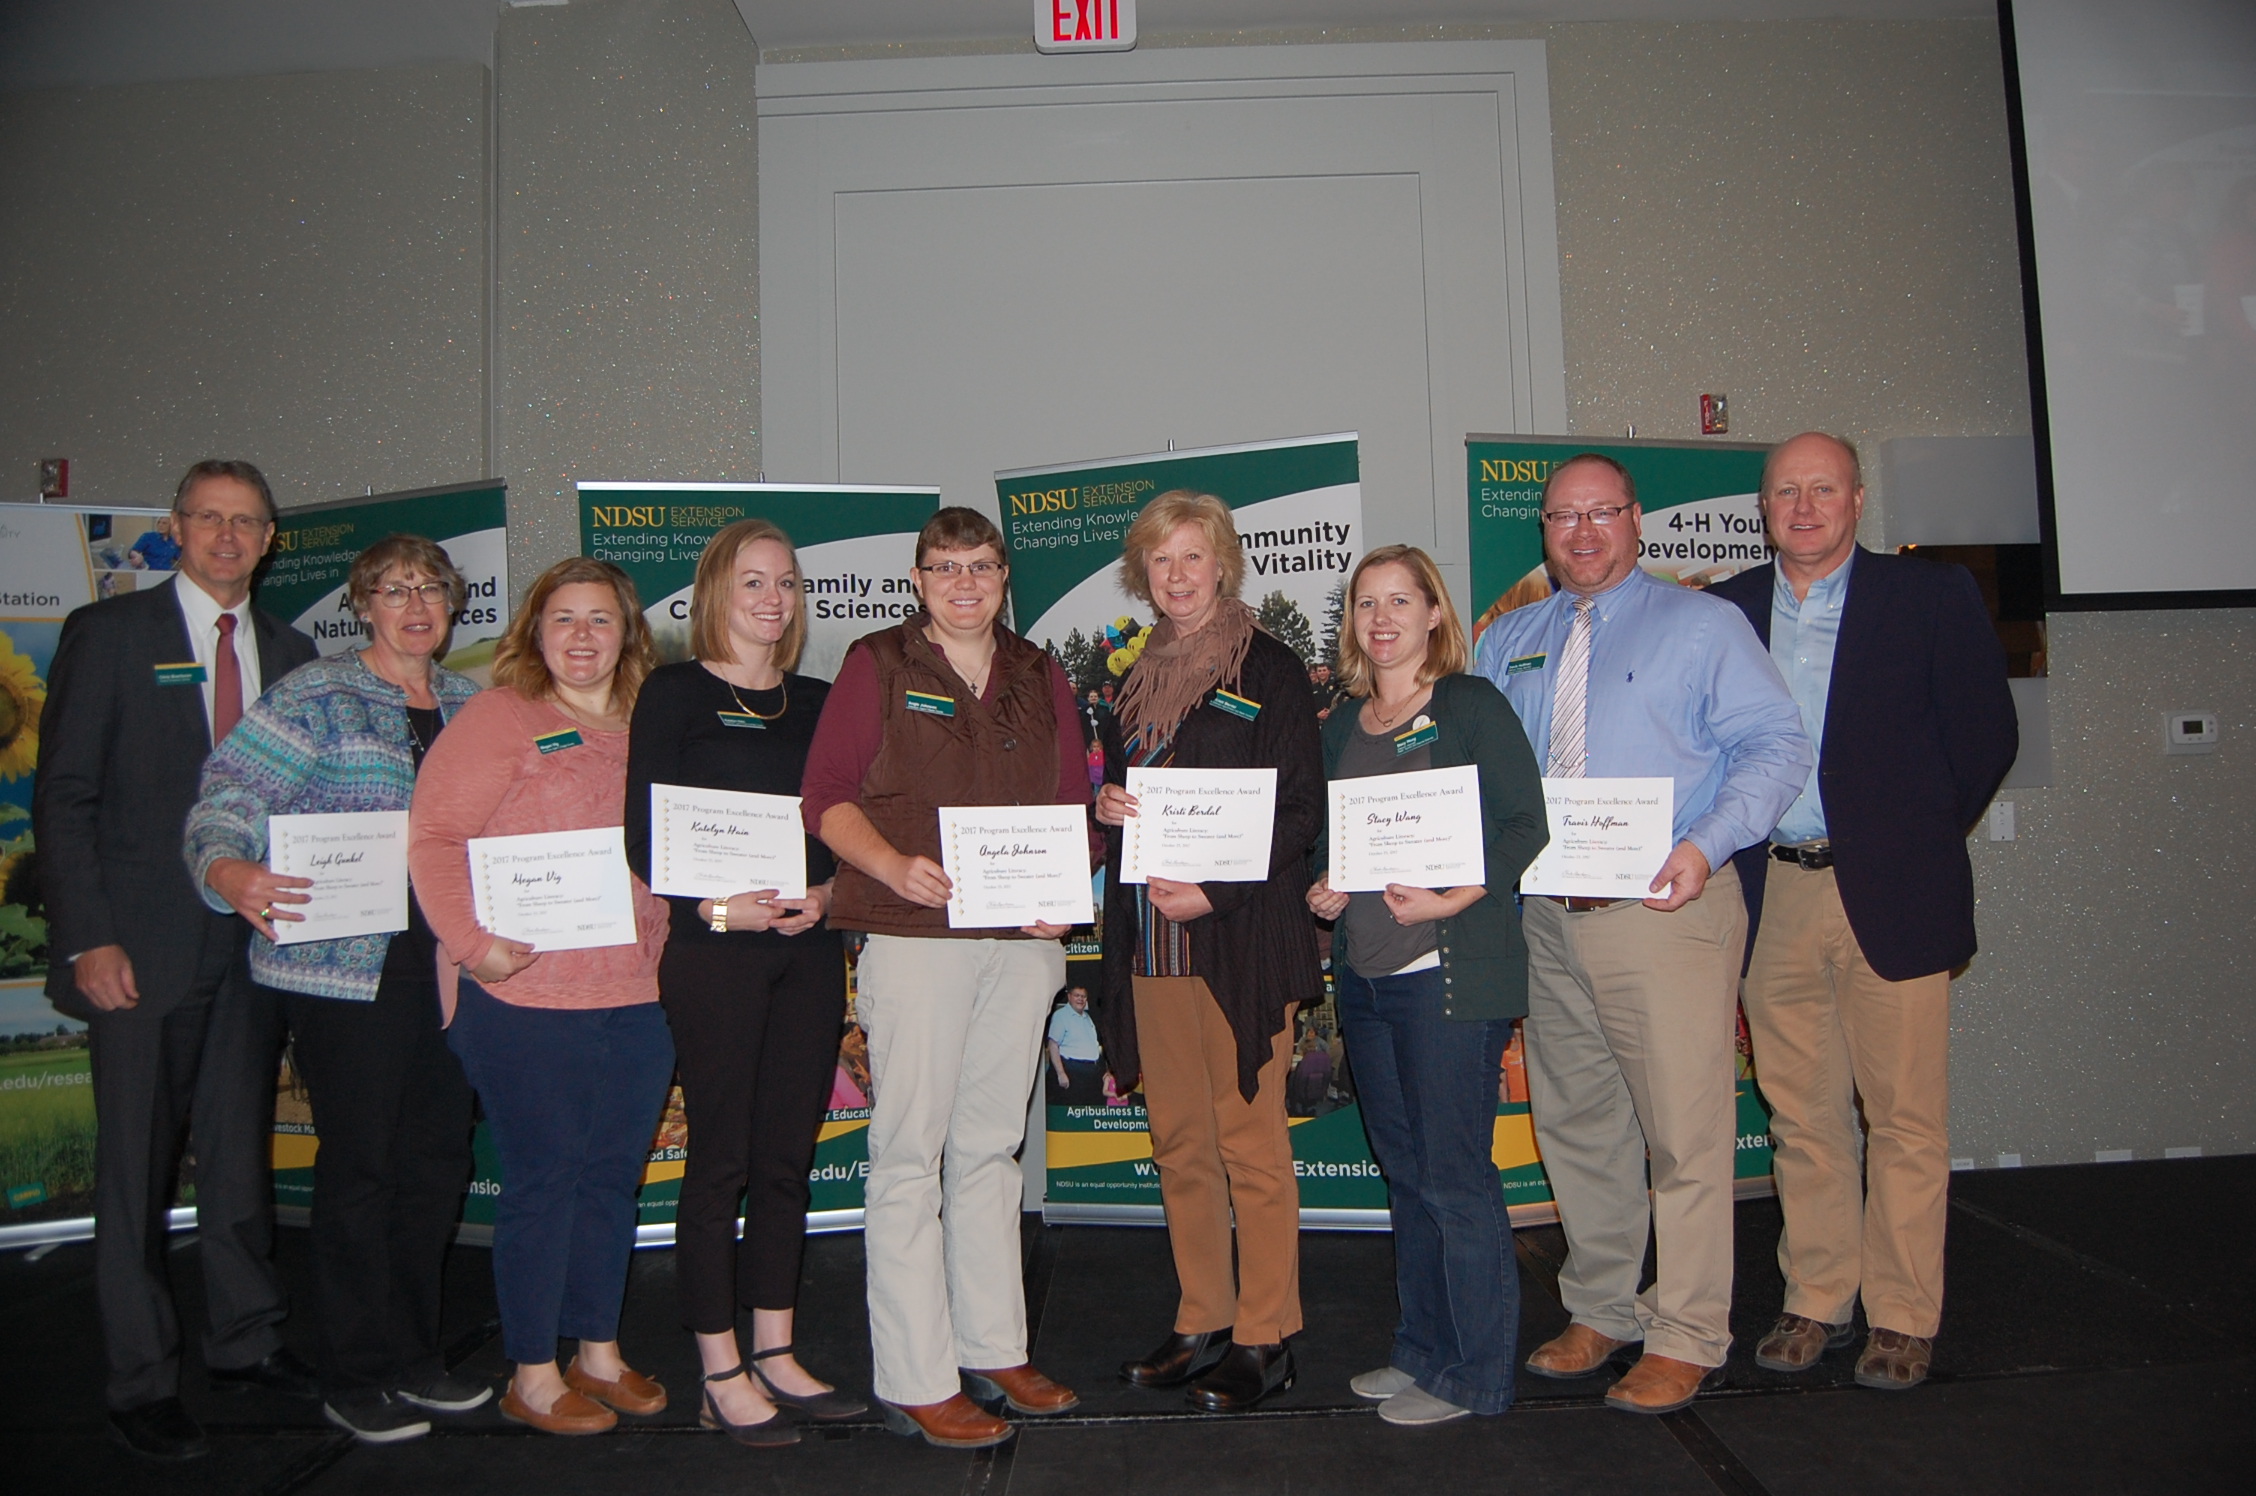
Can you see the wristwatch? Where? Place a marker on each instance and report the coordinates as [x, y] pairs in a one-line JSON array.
[[719, 922]]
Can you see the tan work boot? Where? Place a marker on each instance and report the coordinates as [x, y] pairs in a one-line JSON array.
[[1658, 1384], [1577, 1353]]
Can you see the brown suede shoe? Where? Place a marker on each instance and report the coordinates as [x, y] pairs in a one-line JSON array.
[[569, 1414], [1795, 1342], [958, 1423], [1657, 1384], [1024, 1388], [1577, 1353], [1893, 1361], [631, 1393]]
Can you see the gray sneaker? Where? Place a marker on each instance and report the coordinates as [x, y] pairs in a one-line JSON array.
[[375, 1417], [448, 1392], [1382, 1384], [1416, 1408]]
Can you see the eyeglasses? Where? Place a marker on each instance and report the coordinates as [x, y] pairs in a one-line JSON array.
[[393, 595], [1567, 519], [211, 521], [980, 570]]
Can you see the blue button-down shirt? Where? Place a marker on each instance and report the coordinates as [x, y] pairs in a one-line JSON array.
[[1803, 632], [1679, 686]]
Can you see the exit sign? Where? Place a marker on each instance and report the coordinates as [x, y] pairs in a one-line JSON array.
[[1084, 25]]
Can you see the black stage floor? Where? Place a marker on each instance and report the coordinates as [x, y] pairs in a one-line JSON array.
[[2091, 1342]]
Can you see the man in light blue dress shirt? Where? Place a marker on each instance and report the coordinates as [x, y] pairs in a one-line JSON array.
[[1631, 1002]]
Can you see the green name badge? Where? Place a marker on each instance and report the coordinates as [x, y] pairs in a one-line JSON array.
[[186, 673], [930, 703], [1416, 738], [550, 742], [1236, 705], [741, 719], [1525, 663]]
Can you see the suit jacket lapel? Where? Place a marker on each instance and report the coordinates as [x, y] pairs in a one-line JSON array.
[[272, 666], [168, 633]]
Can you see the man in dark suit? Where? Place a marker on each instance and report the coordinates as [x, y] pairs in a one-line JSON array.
[[1867, 907], [141, 688]]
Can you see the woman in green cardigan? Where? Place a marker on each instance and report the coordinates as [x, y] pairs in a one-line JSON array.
[[1429, 981]]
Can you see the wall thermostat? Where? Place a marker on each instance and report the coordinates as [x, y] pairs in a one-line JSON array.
[[2189, 732]]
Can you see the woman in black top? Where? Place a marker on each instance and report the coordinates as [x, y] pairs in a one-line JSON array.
[[754, 985]]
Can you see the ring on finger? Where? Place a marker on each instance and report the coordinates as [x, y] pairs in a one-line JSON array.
[[267, 912]]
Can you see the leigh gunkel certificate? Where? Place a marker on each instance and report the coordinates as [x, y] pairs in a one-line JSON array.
[[1608, 837], [358, 863], [709, 844], [1014, 865], [1199, 825], [1422, 829], [555, 890]]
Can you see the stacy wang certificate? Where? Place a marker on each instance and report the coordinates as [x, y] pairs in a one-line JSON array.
[[1421, 829], [1199, 825], [1016, 865], [358, 863], [709, 844], [555, 890], [1608, 837]]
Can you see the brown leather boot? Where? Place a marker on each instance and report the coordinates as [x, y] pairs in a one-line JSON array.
[[1024, 1388], [1577, 1353], [1657, 1384], [958, 1423]]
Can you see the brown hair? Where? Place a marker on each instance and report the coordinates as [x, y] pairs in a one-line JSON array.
[[1446, 653], [956, 528], [716, 580], [518, 665], [1629, 484], [408, 553], [1160, 519], [226, 467]]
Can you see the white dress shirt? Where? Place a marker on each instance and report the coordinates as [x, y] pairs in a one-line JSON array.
[[202, 610]]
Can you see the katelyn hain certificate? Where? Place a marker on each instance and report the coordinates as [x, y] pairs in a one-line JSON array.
[[1015, 865], [555, 890], [1608, 837], [358, 863], [709, 844], [1199, 825], [1422, 829]]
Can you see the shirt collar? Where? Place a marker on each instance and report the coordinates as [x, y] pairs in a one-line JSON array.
[[201, 609], [1827, 591]]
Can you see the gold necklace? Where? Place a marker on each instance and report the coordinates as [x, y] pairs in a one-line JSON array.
[[1388, 719], [781, 685]]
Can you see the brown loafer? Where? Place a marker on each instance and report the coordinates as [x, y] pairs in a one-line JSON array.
[[1658, 1384], [1024, 1388], [569, 1414], [1795, 1342], [1577, 1353], [631, 1393], [958, 1423], [1893, 1361]]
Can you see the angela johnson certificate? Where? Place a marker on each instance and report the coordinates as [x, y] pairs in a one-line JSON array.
[[1016, 865]]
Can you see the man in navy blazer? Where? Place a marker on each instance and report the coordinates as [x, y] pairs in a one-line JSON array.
[[1867, 907]]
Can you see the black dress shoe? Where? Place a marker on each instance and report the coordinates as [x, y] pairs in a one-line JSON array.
[[1178, 1359], [282, 1371], [1246, 1375], [159, 1431]]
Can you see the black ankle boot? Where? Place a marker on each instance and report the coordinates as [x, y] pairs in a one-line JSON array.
[[1178, 1359], [1244, 1377]]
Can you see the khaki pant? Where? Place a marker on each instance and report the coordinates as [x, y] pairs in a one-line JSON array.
[[1217, 1152], [1629, 1060], [1829, 1030], [955, 1039]]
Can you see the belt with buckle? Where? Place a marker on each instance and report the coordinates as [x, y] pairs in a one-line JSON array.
[[1814, 856], [1577, 904]]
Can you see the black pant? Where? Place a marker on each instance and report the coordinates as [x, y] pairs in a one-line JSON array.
[[756, 1031], [393, 1113]]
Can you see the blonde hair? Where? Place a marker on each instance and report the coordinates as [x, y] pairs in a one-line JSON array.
[[709, 595], [518, 665], [1446, 653], [1160, 519]]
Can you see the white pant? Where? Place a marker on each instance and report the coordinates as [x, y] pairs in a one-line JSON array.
[[955, 1043]]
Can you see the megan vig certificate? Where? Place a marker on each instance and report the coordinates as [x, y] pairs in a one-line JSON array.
[[709, 844], [1421, 829], [1608, 837], [1199, 825], [555, 890], [1014, 865], [358, 863]]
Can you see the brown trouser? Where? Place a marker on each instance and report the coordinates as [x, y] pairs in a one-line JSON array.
[[1216, 1151], [1828, 1029]]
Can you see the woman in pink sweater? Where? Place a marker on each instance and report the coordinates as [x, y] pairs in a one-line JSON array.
[[568, 1050]]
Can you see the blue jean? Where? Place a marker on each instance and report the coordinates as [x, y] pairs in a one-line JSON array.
[[1427, 1084], [573, 1097]]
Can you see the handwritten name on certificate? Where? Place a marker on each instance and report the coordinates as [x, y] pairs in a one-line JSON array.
[[358, 863], [1608, 837], [709, 844], [555, 890], [1014, 865], [1199, 825], [1422, 829]]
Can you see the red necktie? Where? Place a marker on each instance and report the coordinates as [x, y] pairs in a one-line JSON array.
[[227, 683]]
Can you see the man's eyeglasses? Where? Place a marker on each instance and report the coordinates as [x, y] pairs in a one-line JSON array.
[[392, 595], [980, 570], [1567, 519], [211, 521]]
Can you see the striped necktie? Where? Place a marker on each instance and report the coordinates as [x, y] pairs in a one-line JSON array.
[[1570, 700]]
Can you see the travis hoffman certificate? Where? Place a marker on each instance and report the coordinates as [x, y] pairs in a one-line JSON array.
[[1421, 829], [1608, 837], [1014, 865], [555, 890], [1199, 825], [358, 863], [709, 844]]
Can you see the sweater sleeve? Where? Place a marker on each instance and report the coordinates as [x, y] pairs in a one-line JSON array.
[[1073, 757], [260, 769], [847, 738], [465, 777]]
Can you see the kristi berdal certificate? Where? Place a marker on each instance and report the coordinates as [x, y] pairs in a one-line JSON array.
[[709, 844], [358, 863], [1199, 825], [555, 890], [1608, 837], [1015, 865], [1421, 829]]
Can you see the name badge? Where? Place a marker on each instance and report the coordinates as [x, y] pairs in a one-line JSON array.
[[741, 719], [930, 703], [550, 742], [1524, 664], [1420, 733], [1236, 705], [186, 673]]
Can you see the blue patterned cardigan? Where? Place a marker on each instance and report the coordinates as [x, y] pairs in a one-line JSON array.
[[330, 736]]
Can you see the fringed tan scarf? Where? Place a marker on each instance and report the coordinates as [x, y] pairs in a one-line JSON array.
[[1175, 672]]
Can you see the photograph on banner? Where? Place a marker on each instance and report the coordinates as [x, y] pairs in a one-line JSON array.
[[303, 581]]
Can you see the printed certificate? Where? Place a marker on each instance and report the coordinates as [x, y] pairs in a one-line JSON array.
[[358, 863], [1015, 865], [1608, 837], [1421, 829], [555, 890], [709, 844], [1199, 825]]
